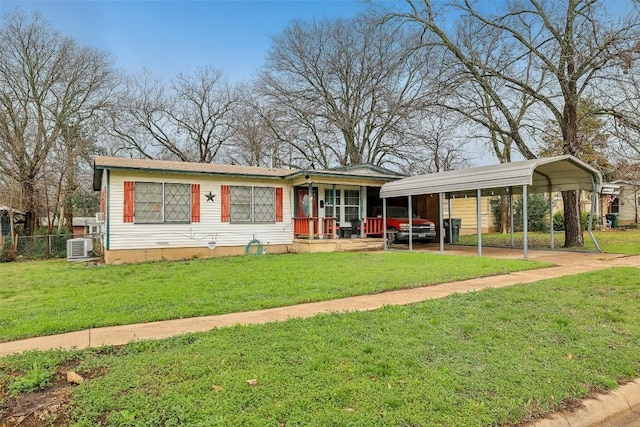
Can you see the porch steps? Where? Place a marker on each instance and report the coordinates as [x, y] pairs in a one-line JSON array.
[[336, 245]]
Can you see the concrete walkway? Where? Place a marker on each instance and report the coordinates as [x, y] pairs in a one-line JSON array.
[[568, 263]]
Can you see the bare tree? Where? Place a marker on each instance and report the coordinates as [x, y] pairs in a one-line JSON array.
[[47, 82], [191, 121], [343, 89], [573, 45], [254, 142], [621, 103], [437, 143]]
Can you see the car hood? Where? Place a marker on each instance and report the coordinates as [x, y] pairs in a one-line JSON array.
[[415, 220]]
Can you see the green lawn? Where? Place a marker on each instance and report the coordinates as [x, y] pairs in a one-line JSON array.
[[495, 357], [618, 241], [49, 297]]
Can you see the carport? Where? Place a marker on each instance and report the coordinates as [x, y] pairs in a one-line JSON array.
[[546, 175]]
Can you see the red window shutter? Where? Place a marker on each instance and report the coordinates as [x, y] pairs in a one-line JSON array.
[[279, 215], [225, 206], [128, 201], [195, 202]]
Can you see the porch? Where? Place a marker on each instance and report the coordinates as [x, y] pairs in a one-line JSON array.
[[337, 245], [329, 228]]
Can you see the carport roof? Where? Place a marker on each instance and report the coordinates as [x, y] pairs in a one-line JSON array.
[[539, 175]]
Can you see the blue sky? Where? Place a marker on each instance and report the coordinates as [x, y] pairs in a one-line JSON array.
[[171, 36]]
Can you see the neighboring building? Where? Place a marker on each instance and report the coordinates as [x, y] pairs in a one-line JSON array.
[[465, 210], [5, 227], [85, 226], [154, 209], [623, 200]]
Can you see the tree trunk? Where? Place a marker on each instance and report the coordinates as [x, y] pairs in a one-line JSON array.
[[504, 215], [31, 214], [67, 201], [573, 229]]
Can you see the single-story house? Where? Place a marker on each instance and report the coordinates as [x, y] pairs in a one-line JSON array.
[[465, 209], [623, 199], [156, 209], [5, 227], [85, 226]]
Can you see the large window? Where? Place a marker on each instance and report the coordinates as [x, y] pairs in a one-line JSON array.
[[351, 204], [615, 205], [252, 204], [328, 204], [157, 202]]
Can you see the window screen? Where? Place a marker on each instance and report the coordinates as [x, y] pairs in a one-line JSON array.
[[148, 202]]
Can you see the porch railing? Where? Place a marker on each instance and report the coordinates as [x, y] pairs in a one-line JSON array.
[[321, 226], [328, 227], [373, 227]]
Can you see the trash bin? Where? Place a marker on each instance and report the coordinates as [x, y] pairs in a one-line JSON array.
[[456, 223], [612, 220]]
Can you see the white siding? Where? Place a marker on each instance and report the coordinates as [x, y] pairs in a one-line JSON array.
[[150, 236], [628, 194]]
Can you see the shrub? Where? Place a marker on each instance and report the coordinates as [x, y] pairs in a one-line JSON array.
[[36, 379], [558, 221], [537, 213]]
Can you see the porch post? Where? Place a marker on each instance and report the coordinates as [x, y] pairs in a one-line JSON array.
[[361, 192], [441, 221], [479, 219], [410, 224], [553, 240], [525, 221], [310, 194], [384, 223], [336, 225]]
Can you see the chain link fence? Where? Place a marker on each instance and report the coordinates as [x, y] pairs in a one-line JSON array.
[[40, 246]]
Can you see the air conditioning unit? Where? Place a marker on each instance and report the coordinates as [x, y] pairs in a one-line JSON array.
[[100, 218], [79, 248]]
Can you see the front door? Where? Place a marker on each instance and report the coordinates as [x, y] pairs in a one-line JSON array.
[[308, 207], [304, 203]]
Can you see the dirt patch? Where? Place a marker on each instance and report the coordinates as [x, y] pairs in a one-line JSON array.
[[49, 407]]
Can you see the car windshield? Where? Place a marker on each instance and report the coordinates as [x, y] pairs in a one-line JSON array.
[[397, 212]]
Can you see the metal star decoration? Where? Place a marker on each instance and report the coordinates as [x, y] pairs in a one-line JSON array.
[[210, 196]]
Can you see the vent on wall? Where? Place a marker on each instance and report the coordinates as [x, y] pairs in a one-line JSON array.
[[79, 248], [100, 218]]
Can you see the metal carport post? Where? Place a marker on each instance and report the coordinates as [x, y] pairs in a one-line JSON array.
[[525, 221], [479, 219], [441, 221]]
